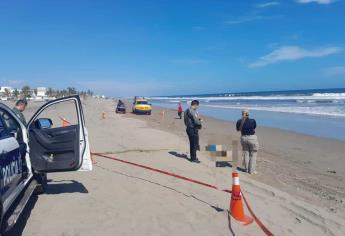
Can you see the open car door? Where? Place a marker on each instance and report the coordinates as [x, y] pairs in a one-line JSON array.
[[58, 139]]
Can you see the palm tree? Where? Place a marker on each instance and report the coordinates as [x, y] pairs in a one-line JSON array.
[[8, 92], [71, 91], [89, 92], [50, 92], [15, 93], [26, 91]]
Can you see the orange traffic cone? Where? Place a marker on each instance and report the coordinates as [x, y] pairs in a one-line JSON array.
[[65, 123], [93, 160], [236, 206]]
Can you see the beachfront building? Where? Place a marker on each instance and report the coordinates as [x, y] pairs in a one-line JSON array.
[[41, 92], [5, 92], [3, 89]]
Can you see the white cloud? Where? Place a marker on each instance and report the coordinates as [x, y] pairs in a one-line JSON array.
[[291, 53], [267, 4], [246, 19], [316, 1], [189, 61], [243, 20], [335, 71]]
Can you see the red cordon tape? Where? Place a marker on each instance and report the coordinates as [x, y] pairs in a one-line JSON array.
[[162, 172], [260, 224]]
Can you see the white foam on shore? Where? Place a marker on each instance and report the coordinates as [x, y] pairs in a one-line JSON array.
[[320, 111], [314, 96], [320, 104], [329, 95]]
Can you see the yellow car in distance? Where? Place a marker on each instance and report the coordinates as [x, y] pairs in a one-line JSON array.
[[141, 106]]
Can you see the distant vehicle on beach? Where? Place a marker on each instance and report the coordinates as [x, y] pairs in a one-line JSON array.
[[141, 106], [120, 108]]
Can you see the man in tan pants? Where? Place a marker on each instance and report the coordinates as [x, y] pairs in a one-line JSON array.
[[249, 141]]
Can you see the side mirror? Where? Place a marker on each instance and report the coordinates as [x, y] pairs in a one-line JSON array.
[[43, 123]]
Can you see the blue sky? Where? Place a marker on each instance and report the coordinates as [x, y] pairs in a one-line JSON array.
[[173, 47]]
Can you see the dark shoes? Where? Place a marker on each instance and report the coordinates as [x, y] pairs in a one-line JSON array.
[[195, 160]]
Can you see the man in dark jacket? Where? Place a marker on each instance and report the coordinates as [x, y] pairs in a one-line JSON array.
[[192, 121], [249, 141], [19, 108]]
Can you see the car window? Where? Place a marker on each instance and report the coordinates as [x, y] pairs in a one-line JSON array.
[[142, 102], [9, 122], [61, 114], [3, 132], [8, 125]]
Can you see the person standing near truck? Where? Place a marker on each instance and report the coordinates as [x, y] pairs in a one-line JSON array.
[[249, 141], [192, 121], [19, 109]]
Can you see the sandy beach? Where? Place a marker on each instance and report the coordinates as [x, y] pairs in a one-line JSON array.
[[300, 188], [307, 166]]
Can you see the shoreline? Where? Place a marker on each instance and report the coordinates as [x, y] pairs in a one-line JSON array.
[[278, 129], [310, 125], [304, 165]]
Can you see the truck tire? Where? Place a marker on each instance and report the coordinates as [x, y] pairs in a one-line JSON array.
[[42, 181]]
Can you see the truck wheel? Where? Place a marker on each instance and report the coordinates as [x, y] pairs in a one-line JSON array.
[[42, 181], [149, 113]]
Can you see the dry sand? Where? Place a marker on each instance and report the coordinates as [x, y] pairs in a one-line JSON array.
[[290, 195]]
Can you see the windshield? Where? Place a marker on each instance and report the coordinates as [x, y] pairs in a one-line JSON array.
[[142, 102]]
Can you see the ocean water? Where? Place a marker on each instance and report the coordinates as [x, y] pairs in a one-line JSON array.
[[313, 112]]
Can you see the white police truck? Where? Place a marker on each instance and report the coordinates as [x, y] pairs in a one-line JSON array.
[[27, 154]]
